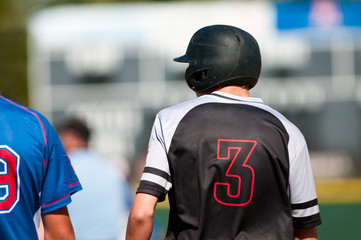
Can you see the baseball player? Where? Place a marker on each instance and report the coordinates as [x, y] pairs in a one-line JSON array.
[[100, 211], [36, 177], [233, 167]]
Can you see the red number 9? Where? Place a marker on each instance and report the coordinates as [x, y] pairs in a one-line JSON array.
[[9, 179]]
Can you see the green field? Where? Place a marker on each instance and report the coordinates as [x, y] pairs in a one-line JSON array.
[[340, 222], [340, 207]]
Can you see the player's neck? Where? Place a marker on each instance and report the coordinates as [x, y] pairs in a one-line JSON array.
[[235, 90]]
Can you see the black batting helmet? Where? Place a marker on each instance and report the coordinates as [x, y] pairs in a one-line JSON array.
[[221, 55]]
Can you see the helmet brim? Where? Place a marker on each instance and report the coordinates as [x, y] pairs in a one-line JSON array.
[[183, 59]]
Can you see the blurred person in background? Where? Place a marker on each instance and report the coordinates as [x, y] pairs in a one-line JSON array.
[[36, 177], [101, 211], [233, 167]]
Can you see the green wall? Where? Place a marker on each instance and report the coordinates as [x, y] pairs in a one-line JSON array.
[[339, 221]]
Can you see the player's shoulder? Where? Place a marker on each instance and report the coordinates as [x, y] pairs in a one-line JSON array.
[[179, 110], [297, 140], [16, 108], [290, 126], [19, 111]]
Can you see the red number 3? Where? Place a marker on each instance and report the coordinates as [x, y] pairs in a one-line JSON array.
[[9, 179], [236, 188]]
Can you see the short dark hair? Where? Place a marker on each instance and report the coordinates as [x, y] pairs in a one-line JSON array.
[[77, 126]]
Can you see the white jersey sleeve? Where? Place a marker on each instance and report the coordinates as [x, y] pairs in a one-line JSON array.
[[156, 176]]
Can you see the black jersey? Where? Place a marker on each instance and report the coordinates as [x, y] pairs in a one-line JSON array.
[[233, 168]]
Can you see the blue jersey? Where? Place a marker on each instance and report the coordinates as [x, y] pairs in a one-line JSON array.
[[35, 172]]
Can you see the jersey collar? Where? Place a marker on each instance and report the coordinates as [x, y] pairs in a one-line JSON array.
[[235, 97]]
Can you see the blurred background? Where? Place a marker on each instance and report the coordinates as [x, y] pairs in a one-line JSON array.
[[110, 64]]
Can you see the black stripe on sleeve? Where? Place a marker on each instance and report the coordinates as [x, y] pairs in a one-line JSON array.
[[304, 205], [158, 172], [307, 222], [152, 189]]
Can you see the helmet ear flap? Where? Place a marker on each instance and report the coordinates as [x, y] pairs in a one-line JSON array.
[[196, 75], [196, 79], [200, 76]]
